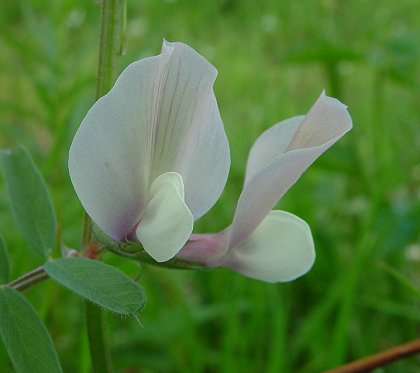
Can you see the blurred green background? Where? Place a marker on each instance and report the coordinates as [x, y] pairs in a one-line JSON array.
[[361, 198]]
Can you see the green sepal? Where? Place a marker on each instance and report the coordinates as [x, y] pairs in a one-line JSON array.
[[134, 250]]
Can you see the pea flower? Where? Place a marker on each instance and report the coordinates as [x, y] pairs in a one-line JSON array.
[[151, 156], [261, 243]]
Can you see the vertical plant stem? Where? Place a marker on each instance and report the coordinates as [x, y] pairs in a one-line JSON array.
[[99, 349], [109, 48]]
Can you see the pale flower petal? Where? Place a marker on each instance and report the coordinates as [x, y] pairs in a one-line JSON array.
[[160, 116], [263, 190], [327, 119], [270, 144], [189, 136], [167, 223], [280, 249], [110, 157]]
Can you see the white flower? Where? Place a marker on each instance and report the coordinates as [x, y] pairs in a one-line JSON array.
[[261, 243], [152, 156]]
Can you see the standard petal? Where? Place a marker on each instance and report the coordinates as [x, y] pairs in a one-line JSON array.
[[160, 116], [269, 183], [167, 222], [110, 157], [189, 136], [280, 249]]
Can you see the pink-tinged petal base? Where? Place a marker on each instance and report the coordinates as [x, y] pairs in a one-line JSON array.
[[206, 249]]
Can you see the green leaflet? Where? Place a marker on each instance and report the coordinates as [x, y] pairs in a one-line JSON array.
[[25, 337], [29, 199], [99, 283]]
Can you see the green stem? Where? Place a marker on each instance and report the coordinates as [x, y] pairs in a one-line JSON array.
[[87, 232], [109, 48], [29, 279], [99, 349], [110, 44]]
